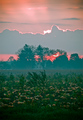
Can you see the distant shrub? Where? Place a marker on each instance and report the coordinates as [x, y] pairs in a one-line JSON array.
[[37, 79]]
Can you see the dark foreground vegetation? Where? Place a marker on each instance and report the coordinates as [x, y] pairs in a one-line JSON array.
[[37, 96]]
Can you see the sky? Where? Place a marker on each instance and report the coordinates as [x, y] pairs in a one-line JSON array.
[[39, 15], [18, 17]]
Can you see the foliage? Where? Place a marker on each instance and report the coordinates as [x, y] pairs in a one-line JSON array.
[[37, 79], [30, 57], [41, 96]]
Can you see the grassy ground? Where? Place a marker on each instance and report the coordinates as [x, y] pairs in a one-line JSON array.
[[41, 97], [39, 114]]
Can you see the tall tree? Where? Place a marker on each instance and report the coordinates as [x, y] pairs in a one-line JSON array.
[[26, 57], [74, 56], [75, 61], [61, 62], [41, 52]]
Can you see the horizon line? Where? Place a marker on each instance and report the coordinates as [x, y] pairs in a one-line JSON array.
[[5, 57]]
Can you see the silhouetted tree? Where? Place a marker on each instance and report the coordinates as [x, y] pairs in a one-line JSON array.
[[75, 61], [74, 57], [49, 64], [26, 57], [61, 52], [4, 65], [11, 58], [61, 62], [40, 51]]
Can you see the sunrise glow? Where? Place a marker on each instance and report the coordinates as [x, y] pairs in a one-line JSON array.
[[5, 57], [52, 57], [36, 57]]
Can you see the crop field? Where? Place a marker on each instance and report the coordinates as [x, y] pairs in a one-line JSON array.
[[41, 96]]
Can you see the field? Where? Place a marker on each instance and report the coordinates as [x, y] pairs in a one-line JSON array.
[[41, 95]]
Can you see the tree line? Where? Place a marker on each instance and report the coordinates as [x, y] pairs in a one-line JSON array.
[[31, 57]]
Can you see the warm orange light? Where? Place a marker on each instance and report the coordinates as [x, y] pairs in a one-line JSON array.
[[52, 57], [36, 57], [5, 57]]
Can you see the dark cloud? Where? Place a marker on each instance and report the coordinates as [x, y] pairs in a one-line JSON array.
[[45, 23], [76, 8], [80, 2], [80, 8], [41, 23], [27, 23], [5, 22], [70, 41], [71, 19], [62, 24], [52, 9]]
